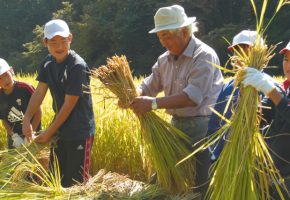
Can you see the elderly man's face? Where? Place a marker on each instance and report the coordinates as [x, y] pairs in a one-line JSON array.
[[173, 42]]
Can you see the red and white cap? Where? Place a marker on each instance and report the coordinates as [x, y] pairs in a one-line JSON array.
[[245, 37], [287, 48]]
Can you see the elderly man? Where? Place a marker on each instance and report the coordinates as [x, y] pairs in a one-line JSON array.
[[188, 77]]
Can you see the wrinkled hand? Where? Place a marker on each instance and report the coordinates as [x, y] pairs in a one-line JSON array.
[[260, 81], [43, 137], [141, 104], [17, 140]]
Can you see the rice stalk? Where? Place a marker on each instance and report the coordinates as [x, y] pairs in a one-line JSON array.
[[101, 186], [163, 144], [31, 180], [13, 158]]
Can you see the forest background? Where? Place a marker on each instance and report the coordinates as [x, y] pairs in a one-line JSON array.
[[102, 28]]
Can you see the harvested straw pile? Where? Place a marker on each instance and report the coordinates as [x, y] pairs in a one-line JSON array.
[[163, 144], [29, 179], [14, 158], [101, 186]]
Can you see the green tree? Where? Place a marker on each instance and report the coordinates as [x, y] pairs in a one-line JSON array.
[[17, 19], [35, 50]]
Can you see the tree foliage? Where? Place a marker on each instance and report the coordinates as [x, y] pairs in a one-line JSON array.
[[102, 28]]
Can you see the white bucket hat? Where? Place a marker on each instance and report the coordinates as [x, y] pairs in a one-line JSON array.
[[56, 27], [287, 48], [245, 37], [172, 17], [4, 67]]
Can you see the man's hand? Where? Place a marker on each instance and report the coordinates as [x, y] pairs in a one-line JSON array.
[[17, 140], [123, 106], [260, 81], [142, 104], [43, 137]]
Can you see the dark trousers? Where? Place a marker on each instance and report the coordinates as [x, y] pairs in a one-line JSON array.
[[73, 159], [196, 129], [275, 195]]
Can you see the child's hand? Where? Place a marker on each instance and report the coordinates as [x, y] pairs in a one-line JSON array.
[[43, 137]]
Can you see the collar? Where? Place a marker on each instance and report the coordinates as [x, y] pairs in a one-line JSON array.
[[286, 84], [190, 47]]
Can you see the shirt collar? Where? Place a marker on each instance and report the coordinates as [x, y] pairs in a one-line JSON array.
[[190, 47], [286, 84]]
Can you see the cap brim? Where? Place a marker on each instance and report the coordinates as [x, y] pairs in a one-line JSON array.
[[283, 51], [189, 20], [230, 48], [4, 71], [62, 34]]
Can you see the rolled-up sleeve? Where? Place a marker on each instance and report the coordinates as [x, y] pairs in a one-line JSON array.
[[201, 78]]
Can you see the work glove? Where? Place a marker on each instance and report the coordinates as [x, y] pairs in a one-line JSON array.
[[260, 81], [27, 142], [17, 140]]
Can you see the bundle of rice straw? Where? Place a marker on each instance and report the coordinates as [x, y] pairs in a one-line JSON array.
[[11, 159], [245, 169], [163, 144], [46, 184], [101, 186]]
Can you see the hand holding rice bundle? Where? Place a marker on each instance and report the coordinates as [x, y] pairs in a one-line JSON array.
[[163, 144]]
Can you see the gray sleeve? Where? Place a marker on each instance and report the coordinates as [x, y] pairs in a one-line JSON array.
[[201, 78], [151, 85]]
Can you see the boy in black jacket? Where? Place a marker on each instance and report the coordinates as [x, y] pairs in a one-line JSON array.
[[64, 73]]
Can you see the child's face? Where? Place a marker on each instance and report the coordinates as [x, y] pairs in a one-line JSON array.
[[6, 80], [241, 48], [286, 65], [58, 47]]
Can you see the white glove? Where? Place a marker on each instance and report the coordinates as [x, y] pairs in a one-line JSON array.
[[17, 140], [27, 142], [260, 81]]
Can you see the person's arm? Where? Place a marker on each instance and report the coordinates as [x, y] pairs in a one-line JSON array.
[[200, 79], [65, 110], [36, 119], [151, 85], [7, 127], [180, 100], [33, 107], [275, 96], [143, 104]]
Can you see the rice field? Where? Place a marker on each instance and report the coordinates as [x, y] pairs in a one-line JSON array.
[[117, 144], [116, 148]]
